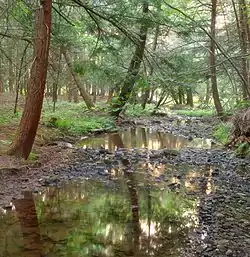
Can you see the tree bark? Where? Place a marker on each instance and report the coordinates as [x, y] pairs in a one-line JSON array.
[[86, 98], [134, 67], [1, 84], [243, 35], [215, 91], [36, 85], [94, 93], [151, 67], [208, 92], [11, 71], [190, 100]]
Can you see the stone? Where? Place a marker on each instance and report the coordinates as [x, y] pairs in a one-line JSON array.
[[229, 252]]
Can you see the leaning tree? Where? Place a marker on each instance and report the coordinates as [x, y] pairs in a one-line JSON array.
[[22, 146]]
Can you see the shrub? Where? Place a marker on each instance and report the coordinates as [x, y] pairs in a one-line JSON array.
[[222, 132]]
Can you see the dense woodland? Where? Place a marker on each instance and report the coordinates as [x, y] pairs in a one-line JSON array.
[[124, 128], [115, 54]]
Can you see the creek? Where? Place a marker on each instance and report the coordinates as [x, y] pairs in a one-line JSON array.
[[132, 193]]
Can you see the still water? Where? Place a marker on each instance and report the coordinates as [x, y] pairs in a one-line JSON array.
[[143, 138], [141, 214]]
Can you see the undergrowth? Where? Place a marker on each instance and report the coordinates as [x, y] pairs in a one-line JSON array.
[[222, 132], [75, 119], [7, 116], [243, 149], [137, 110], [196, 112]]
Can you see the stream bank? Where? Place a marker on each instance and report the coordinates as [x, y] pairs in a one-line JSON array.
[[217, 179]]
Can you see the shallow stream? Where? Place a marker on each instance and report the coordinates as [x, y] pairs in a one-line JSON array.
[[147, 208], [141, 137]]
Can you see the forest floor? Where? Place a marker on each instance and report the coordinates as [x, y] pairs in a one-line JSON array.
[[223, 185]]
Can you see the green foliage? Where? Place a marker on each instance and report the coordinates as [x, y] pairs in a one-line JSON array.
[[137, 110], [222, 132], [243, 149], [73, 119], [196, 112], [33, 156], [242, 104], [7, 116]]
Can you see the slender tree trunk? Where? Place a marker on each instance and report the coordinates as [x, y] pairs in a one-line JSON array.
[[244, 47], [75, 94], [110, 95], [1, 84], [86, 98], [215, 91], [134, 67], [180, 95], [94, 93], [208, 93], [54, 95], [34, 100], [151, 68], [190, 100], [11, 72], [243, 32], [163, 96]]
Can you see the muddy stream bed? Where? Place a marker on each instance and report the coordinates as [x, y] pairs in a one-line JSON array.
[[137, 192]]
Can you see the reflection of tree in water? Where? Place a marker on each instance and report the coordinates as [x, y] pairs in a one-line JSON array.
[[91, 219], [94, 220], [26, 212], [137, 137], [133, 235]]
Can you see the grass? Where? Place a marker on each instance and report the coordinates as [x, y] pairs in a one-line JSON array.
[[7, 116], [75, 119], [222, 132], [68, 119], [196, 112], [137, 111]]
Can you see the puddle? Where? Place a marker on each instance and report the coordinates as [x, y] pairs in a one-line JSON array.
[[143, 138], [142, 214]]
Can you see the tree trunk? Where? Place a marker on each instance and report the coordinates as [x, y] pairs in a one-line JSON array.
[[11, 72], [181, 96], [86, 98], [134, 67], [34, 100], [243, 33], [151, 68], [243, 24], [94, 93], [208, 93], [54, 95], [190, 100], [1, 78], [215, 91], [1, 84], [110, 94]]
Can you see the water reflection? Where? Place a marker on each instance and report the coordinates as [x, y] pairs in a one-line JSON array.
[[141, 217], [143, 138]]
